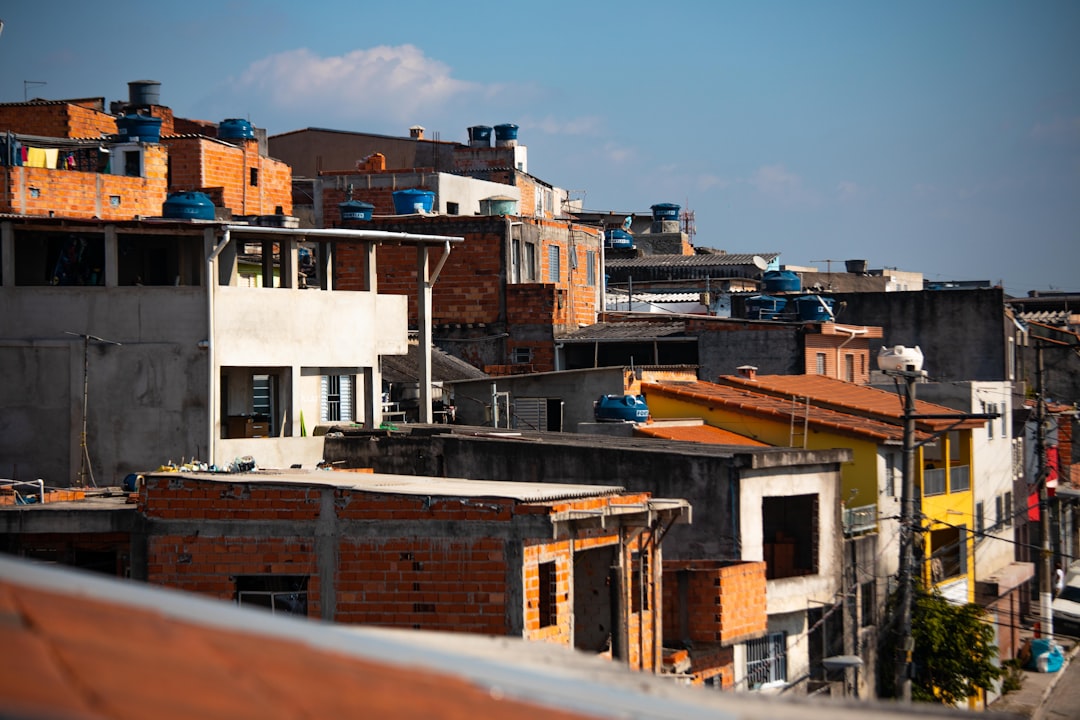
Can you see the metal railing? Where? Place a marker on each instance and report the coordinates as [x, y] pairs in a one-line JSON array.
[[934, 482], [959, 478], [860, 519]]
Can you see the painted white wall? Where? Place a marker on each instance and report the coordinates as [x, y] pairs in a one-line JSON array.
[[468, 192]]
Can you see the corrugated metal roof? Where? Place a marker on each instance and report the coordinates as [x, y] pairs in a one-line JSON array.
[[702, 260], [644, 330], [408, 484], [653, 296]]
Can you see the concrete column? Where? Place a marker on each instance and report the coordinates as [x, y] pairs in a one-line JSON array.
[[7, 254], [112, 257]]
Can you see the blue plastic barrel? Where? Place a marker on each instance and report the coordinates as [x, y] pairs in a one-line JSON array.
[[665, 212], [139, 128], [814, 308], [618, 239], [782, 281], [407, 202], [764, 307], [355, 211], [235, 129], [188, 206], [506, 132]]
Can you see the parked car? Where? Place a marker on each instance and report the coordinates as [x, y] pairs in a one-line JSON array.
[[1066, 605]]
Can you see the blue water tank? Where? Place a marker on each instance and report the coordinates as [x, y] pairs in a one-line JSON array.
[[764, 307], [505, 132], [408, 202], [618, 239], [814, 308], [665, 212], [188, 206], [480, 136], [355, 211], [782, 281], [139, 128], [235, 129], [621, 408]]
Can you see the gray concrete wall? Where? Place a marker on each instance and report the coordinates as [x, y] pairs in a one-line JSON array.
[[962, 333], [577, 389], [772, 352]]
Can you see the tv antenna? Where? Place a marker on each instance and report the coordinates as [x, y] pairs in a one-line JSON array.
[[828, 264], [84, 462], [27, 84]]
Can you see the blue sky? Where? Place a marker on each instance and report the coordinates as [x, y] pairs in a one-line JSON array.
[[942, 137]]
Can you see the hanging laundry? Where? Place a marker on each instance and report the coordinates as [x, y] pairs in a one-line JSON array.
[[51, 157], [35, 157]]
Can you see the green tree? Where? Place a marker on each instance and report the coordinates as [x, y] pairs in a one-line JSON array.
[[954, 654]]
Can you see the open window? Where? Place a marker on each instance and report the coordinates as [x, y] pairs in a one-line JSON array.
[[790, 532], [286, 594], [254, 402]]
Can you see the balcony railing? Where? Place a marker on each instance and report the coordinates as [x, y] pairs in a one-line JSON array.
[[934, 482], [860, 519], [959, 478]]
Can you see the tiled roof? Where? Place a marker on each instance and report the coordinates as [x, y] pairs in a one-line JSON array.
[[628, 330], [849, 397], [702, 260], [697, 433], [778, 409]]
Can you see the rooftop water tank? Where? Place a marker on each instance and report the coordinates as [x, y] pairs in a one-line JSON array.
[[139, 128], [814, 308], [665, 211], [618, 239], [480, 136], [856, 267], [782, 281], [499, 205], [621, 408], [235, 129], [506, 135], [188, 206], [144, 92], [764, 307], [408, 202], [355, 211]]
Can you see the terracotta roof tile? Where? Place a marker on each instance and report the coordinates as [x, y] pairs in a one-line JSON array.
[[779, 409], [697, 433], [848, 397]]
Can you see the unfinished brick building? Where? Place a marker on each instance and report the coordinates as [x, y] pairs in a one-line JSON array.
[[577, 565]]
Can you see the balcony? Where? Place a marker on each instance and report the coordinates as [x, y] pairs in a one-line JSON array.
[[858, 520]]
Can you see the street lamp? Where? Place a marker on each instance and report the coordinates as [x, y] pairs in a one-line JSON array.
[[904, 362]]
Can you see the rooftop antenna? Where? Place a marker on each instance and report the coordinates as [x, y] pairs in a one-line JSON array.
[[27, 84], [84, 462]]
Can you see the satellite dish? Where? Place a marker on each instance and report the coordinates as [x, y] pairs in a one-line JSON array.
[[760, 263]]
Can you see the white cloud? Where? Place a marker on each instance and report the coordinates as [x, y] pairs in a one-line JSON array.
[[781, 186], [584, 125], [847, 190], [390, 83]]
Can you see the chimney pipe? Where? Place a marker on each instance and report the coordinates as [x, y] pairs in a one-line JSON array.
[[747, 371]]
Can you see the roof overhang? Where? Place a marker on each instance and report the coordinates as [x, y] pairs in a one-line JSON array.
[[635, 515]]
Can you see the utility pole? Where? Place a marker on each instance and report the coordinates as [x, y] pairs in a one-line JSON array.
[[1046, 570], [84, 461], [908, 521]]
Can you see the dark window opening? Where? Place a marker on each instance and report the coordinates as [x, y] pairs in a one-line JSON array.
[[826, 639], [452, 208], [790, 536], [59, 259], [868, 595], [547, 599], [254, 177], [639, 563], [285, 594], [948, 557], [133, 163], [156, 260]]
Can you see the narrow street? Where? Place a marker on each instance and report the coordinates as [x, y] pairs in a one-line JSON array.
[[1063, 702]]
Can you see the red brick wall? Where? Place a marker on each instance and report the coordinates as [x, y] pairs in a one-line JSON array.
[[859, 348], [75, 194], [57, 120], [201, 163], [725, 603]]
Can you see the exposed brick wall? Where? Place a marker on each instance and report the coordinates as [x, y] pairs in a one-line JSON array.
[[725, 603], [58, 120], [71, 193], [201, 163], [858, 348], [416, 575]]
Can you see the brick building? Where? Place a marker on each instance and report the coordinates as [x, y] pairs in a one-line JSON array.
[[73, 158], [576, 565]]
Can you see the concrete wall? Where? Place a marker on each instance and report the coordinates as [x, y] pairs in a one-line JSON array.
[[773, 351], [962, 333]]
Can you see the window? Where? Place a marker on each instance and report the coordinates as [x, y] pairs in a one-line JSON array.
[[868, 595], [1007, 502], [254, 177], [820, 369], [522, 355], [590, 267], [452, 208], [948, 558], [934, 482], [849, 368], [790, 531], [980, 517], [766, 660], [989, 408], [890, 474], [285, 594], [547, 598], [529, 271], [639, 593], [336, 401], [133, 163], [999, 511], [554, 269]]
